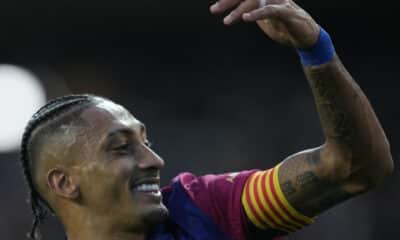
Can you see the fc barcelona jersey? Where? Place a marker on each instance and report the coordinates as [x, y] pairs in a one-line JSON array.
[[207, 207]]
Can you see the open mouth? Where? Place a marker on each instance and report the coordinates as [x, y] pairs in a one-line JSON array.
[[147, 186]]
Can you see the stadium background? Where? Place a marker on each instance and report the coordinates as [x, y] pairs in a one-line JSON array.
[[214, 99]]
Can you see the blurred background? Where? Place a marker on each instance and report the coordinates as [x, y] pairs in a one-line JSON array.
[[214, 98]]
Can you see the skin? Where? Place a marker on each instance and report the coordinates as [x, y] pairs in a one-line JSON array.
[[88, 184], [355, 156]]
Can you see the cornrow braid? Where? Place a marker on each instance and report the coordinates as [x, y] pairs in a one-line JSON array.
[[50, 111]]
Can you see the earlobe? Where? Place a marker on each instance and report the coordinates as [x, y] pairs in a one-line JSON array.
[[62, 183]]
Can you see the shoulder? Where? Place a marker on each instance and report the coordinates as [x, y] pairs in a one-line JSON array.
[[212, 183], [218, 196]]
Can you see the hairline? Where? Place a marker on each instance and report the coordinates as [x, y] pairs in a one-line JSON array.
[[51, 126]]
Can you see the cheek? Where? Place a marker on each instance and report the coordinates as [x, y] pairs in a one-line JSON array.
[[105, 182]]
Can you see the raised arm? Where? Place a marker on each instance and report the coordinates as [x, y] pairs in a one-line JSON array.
[[355, 155]]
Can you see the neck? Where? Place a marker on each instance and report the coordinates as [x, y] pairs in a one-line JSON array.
[[101, 235], [92, 227]]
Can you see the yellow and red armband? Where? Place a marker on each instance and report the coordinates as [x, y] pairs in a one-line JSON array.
[[267, 207]]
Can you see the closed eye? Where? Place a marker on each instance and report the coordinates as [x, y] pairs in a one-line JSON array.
[[123, 149]]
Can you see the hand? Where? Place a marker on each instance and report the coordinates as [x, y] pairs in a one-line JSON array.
[[282, 20]]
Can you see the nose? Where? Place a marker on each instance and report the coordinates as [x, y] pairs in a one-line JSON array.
[[150, 159]]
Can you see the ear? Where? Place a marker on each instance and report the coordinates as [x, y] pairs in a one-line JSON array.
[[62, 183]]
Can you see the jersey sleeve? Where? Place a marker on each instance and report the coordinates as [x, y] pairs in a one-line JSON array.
[[245, 205], [219, 196]]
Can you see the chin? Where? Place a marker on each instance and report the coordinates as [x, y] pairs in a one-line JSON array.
[[154, 215]]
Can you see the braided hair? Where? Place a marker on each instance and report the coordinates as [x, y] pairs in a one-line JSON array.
[[49, 112]]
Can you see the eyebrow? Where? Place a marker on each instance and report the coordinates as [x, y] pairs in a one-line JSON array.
[[122, 131], [126, 131]]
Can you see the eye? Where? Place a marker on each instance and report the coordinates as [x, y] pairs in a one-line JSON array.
[[123, 149]]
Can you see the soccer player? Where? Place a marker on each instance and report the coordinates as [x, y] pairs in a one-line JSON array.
[[88, 160]]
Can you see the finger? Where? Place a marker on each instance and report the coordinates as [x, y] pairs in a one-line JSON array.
[[269, 11], [263, 3], [244, 7], [248, 6], [223, 5]]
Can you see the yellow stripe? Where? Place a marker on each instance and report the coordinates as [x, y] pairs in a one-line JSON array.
[[266, 207], [248, 210], [282, 197], [287, 228], [277, 207], [253, 201]]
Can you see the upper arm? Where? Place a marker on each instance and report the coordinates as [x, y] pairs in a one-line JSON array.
[[277, 200], [305, 184], [312, 184]]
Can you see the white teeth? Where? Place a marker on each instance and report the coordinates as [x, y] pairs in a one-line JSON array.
[[147, 187]]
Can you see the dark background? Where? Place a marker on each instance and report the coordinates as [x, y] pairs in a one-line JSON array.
[[214, 98]]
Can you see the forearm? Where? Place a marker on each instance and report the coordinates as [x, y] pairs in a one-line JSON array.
[[349, 123]]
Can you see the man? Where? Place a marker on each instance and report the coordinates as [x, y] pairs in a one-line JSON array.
[[89, 161]]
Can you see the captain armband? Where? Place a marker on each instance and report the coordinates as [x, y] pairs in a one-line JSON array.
[[266, 206]]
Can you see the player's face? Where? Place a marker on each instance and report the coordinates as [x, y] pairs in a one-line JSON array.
[[120, 174]]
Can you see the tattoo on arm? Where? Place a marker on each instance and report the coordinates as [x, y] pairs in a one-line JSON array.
[[331, 106], [313, 184], [307, 192], [287, 188]]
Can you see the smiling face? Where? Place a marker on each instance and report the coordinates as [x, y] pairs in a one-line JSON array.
[[119, 175]]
